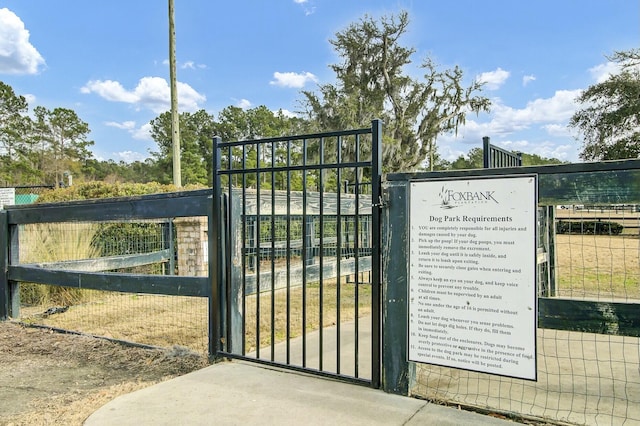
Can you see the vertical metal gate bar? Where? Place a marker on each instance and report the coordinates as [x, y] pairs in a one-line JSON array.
[[227, 204], [356, 258], [273, 251], [376, 200], [243, 246], [258, 248], [338, 250], [321, 258], [305, 247], [288, 295]]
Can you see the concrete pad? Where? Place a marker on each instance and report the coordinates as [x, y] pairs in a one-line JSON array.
[[239, 393]]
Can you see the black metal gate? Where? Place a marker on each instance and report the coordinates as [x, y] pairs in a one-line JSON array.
[[296, 252], [496, 157]]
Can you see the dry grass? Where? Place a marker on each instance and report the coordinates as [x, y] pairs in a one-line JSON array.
[[165, 321], [314, 317], [598, 266], [60, 379], [51, 242], [162, 321]]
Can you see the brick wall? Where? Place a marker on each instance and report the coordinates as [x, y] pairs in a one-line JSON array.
[[192, 239]]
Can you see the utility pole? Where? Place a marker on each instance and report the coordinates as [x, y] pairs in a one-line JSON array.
[[175, 118]]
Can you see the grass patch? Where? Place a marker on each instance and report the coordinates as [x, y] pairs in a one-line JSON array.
[[316, 315], [51, 242], [598, 266], [166, 321]]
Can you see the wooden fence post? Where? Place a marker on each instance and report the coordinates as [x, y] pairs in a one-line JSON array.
[[4, 260]]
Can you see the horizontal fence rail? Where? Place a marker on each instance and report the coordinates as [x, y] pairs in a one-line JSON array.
[[91, 254]]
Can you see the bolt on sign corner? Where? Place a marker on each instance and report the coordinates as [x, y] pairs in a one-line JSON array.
[[472, 274]]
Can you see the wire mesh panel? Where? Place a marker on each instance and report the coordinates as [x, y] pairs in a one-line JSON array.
[[588, 347], [130, 268], [299, 243], [143, 248]]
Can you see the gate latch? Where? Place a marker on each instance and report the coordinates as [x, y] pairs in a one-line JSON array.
[[381, 203]]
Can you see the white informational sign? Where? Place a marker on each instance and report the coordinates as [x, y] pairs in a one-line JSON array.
[[7, 197], [472, 274]]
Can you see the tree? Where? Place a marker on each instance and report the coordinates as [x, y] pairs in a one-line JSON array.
[[196, 133], [39, 149], [536, 160], [473, 160], [196, 139], [609, 117], [62, 137], [14, 149], [372, 83]]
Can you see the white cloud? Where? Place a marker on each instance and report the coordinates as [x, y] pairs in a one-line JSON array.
[[449, 153], [188, 64], [558, 130], [602, 72], [546, 149], [17, 54], [125, 125], [308, 10], [129, 156], [494, 79], [151, 92], [292, 79], [140, 133], [547, 114], [192, 66], [556, 109], [109, 90], [528, 79], [31, 99], [244, 104]]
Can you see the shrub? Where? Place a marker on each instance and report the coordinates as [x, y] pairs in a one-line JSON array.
[[98, 190], [589, 227]]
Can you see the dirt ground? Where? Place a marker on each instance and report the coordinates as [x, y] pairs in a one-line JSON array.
[[49, 378]]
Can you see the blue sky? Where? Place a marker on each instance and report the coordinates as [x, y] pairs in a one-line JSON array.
[[108, 61]]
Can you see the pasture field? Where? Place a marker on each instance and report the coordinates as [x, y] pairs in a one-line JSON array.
[[604, 267]]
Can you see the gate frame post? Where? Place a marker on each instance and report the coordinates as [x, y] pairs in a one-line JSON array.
[[397, 372], [9, 250], [216, 261]]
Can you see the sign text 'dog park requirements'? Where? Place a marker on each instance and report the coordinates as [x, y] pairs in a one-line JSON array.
[[472, 274]]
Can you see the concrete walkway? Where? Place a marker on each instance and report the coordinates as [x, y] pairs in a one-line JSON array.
[[240, 393]]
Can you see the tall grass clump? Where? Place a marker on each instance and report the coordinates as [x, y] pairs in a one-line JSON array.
[[53, 242]]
